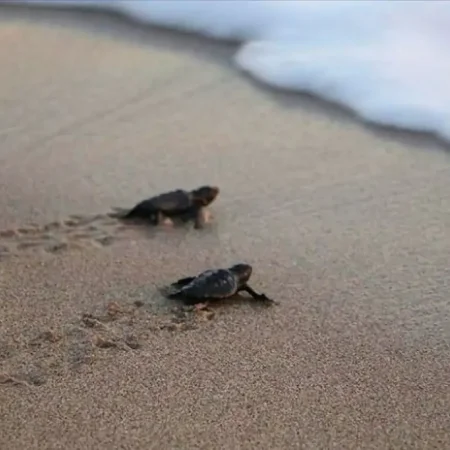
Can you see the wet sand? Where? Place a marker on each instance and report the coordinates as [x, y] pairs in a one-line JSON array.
[[346, 226]]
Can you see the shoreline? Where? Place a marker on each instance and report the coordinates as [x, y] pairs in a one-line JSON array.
[[117, 25]]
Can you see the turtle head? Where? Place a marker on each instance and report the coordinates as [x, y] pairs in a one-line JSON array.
[[205, 195], [242, 271]]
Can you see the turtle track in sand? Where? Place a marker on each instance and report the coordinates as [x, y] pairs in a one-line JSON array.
[[74, 232], [33, 357]]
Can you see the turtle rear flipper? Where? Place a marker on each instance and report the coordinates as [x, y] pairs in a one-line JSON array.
[[144, 210], [174, 290], [118, 213], [171, 291], [188, 301], [176, 293], [183, 282]]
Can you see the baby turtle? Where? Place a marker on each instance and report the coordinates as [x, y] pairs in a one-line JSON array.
[[216, 284], [186, 205]]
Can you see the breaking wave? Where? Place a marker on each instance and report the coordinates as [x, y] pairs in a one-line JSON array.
[[388, 61]]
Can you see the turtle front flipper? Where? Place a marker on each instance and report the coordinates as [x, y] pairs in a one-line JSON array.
[[260, 297], [200, 217], [158, 218], [195, 214]]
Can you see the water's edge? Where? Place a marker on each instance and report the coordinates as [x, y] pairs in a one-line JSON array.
[[392, 76]]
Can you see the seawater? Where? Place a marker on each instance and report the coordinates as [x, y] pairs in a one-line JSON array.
[[388, 61]]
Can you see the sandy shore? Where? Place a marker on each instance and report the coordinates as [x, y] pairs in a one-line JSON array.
[[345, 226]]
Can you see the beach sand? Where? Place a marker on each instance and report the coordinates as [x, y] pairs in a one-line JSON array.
[[345, 225]]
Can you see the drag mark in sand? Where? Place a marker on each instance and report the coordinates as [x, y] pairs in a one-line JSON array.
[[75, 232], [101, 230], [77, 345]]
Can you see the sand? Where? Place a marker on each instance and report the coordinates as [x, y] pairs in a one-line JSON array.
[[345, 225]]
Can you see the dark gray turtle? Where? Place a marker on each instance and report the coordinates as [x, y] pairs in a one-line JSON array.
[[214, 285], [186, 205]]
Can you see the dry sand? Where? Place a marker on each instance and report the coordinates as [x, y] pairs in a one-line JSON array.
[[346, 226]]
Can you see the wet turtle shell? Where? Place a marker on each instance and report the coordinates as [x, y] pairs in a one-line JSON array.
[[169, 203], [211, 284]]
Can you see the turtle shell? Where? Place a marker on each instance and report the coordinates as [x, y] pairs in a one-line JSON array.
[[211, 284], [171, 202]]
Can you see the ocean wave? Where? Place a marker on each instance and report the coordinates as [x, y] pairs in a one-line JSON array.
[[388, 61]]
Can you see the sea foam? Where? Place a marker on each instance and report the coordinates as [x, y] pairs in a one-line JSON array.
[[388, 61]]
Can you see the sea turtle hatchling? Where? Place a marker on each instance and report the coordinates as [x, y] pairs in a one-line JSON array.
[[186, 205], [215, 284]]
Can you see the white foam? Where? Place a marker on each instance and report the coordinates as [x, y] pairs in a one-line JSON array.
[[389, 61]]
